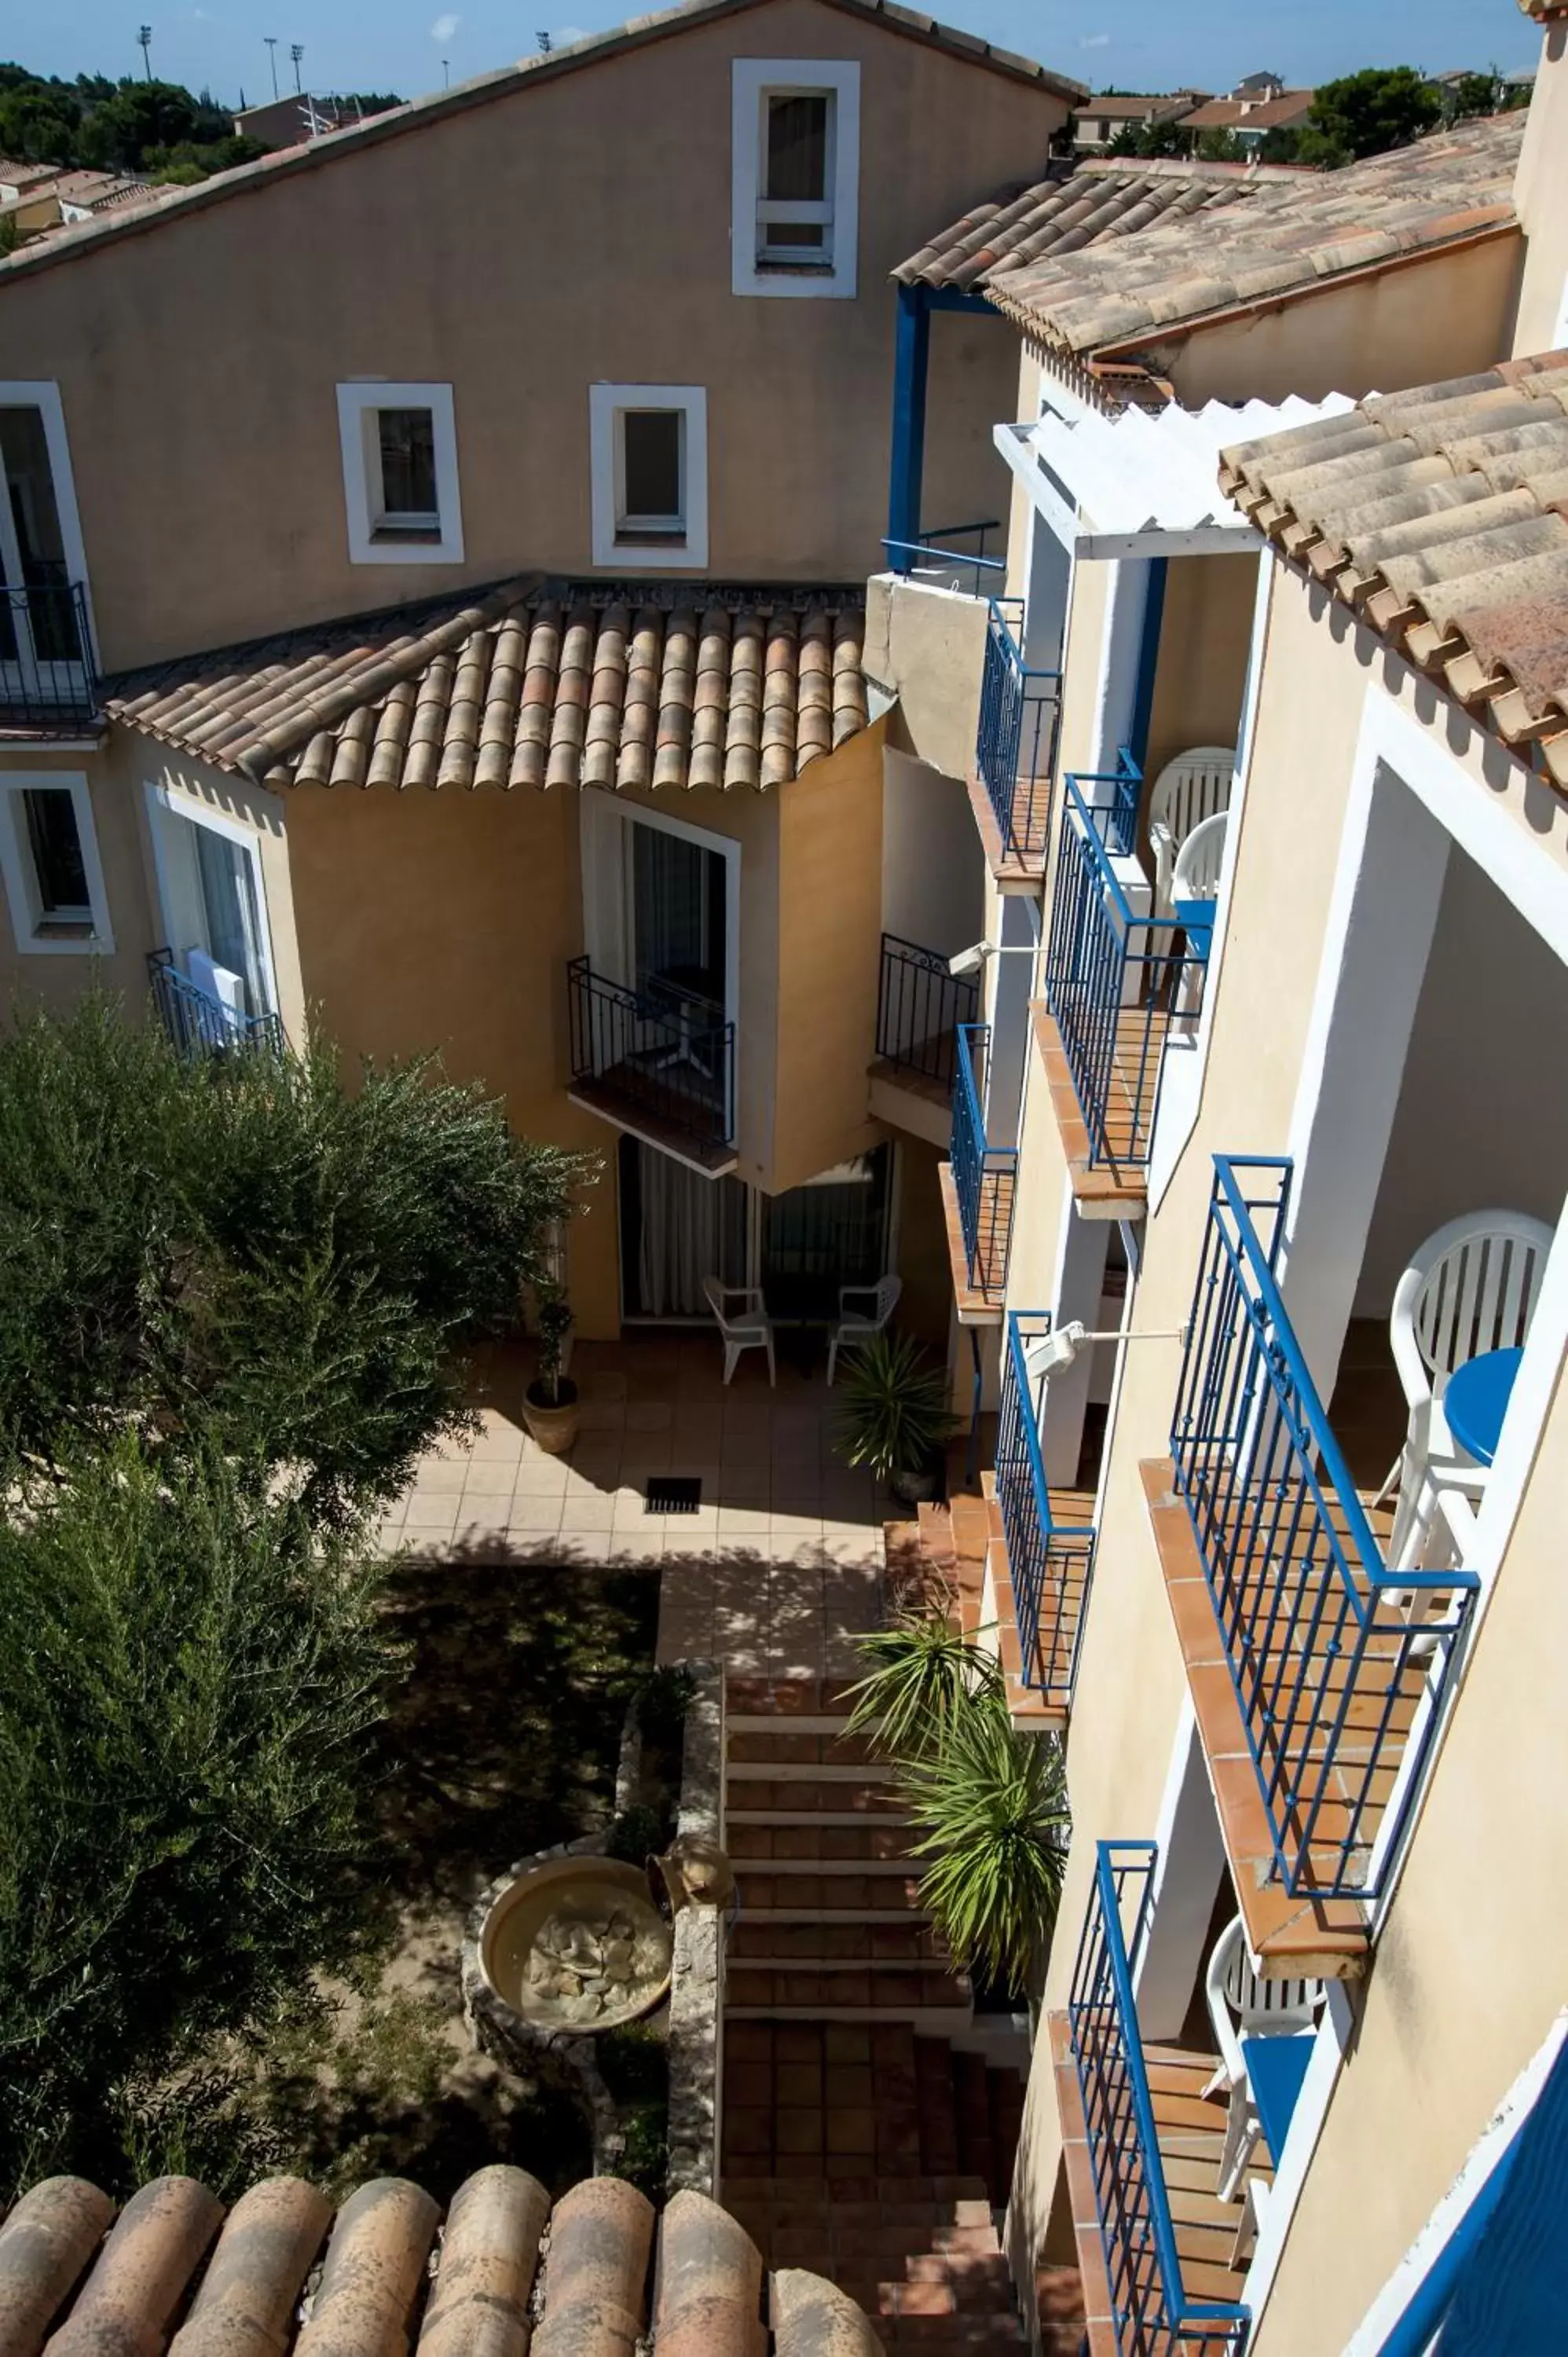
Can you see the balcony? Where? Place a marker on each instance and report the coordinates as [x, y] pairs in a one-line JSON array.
[[977, 1184], [1118, 983], [655, 1063], [921, 1010], [1015, 751], [1319, 1674], [1047, 1535], [200, 1025], [49, 683], [1142, 2145]]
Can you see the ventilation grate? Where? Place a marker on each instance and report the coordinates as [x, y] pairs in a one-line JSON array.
[[672, 1493]]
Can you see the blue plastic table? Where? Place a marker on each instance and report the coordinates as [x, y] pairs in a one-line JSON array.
[[1477, 1400], [1196, 916], [1275, 2069]]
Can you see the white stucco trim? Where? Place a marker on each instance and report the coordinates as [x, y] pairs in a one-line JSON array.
[[30, 922], [752, 81], [161, 800], [607, 406], [1181, 1081], [368, 544]]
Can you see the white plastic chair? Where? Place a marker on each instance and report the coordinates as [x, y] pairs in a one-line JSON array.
[[1472, 1287], [1195, 874], [854, 1326], [1242, 2005], [752, 1329], [1194, 786]]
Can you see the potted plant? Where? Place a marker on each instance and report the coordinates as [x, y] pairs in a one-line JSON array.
[[894, 1416], [550, 1403]]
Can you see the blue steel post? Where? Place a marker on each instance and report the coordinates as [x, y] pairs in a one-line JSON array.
[[911, 353]]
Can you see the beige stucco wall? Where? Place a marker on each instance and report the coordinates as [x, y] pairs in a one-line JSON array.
[[1377, 333], [927, 647], [1081, 655], [574, 229], [1319, 667], [1201, 673], [1541, 193]]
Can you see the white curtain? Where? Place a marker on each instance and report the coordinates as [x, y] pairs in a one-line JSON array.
[[681, 1240]]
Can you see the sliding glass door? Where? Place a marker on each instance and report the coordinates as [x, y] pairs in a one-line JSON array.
[[678, 1227]]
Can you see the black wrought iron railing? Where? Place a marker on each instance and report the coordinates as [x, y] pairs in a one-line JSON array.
[[48, 677], [1015, 744], [656, 1057], [199, 1024], [920, 1008]]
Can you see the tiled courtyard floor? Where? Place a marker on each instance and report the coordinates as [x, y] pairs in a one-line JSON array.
[[777, 1571]]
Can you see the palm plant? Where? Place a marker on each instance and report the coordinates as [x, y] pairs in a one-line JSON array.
[[894, 1413], [924, 1672], [992, 1808]]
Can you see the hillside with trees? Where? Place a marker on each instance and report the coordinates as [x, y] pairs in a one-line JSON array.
[[158, 129]]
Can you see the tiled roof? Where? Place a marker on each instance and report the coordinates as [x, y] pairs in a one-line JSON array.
[[523, 688], [1442, 515], [1283, 238], [173, 2264], [1095, 203], [1119, 105], [315, 155], [1255, 114]]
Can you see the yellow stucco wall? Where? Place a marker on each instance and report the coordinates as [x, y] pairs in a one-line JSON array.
[[574, 229], [1204, 635]]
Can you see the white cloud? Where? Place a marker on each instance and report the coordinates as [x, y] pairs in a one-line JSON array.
[[1095, 41], [444, 28], [570, 33]]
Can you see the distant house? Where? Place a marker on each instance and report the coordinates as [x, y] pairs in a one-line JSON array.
[[1253, 108], [285, 122], [82, 196], [1099, 121]]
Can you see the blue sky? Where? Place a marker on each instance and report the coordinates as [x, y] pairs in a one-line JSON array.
[[399, 44]]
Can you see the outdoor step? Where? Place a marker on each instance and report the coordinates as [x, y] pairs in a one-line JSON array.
[[794, 1892], [826, 1849], [757, 1800], [782, 1746], [870, 1773], [857, 1991], [826, 1725], [942, 2191], [914, 1944]]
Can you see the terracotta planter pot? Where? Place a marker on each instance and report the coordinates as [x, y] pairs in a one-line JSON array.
[[555, 1429], [916, 1489]]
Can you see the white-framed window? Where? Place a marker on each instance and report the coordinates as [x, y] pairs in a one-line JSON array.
[[649, 456], [399, 473], [213, 903], [48, 857], [796, 176]]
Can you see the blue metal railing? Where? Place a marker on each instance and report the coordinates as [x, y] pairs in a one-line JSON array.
[[1015, 746], [982, 1174], [1338, 1664], [1152, 2314], [1050, 1568], [48, 679], [657, 1055], [1113, 977], [933, 560], [199, 1024], [921, 1009]]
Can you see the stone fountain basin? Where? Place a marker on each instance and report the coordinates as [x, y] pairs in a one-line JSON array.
[[574, 1903]]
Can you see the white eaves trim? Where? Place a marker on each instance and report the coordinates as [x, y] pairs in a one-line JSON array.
[[1147, 482]]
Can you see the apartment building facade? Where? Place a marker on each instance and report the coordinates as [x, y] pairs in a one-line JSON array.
[[1269, 727], [526, 447]]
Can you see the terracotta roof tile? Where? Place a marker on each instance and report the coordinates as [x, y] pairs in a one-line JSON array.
[[1276, 235], [392, 2272], [522, 688], [1291, 106], [1442, 515], [1066, 214]]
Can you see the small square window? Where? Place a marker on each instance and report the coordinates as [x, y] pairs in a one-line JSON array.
[[399, 473], [796, 176], [49, 857], [648, 455], [406, 447], [651, 500]]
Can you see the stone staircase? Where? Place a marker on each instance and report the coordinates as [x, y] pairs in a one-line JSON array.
[[870, 2125]]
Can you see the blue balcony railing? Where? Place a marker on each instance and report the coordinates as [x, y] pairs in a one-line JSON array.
[[199, 1024], [921, 1010], [1115, 979], [1016, 748], [935, 562], [1154, 2315], [982, 1174], [1338, 1664], [657, 1058], [1050, 1566]]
